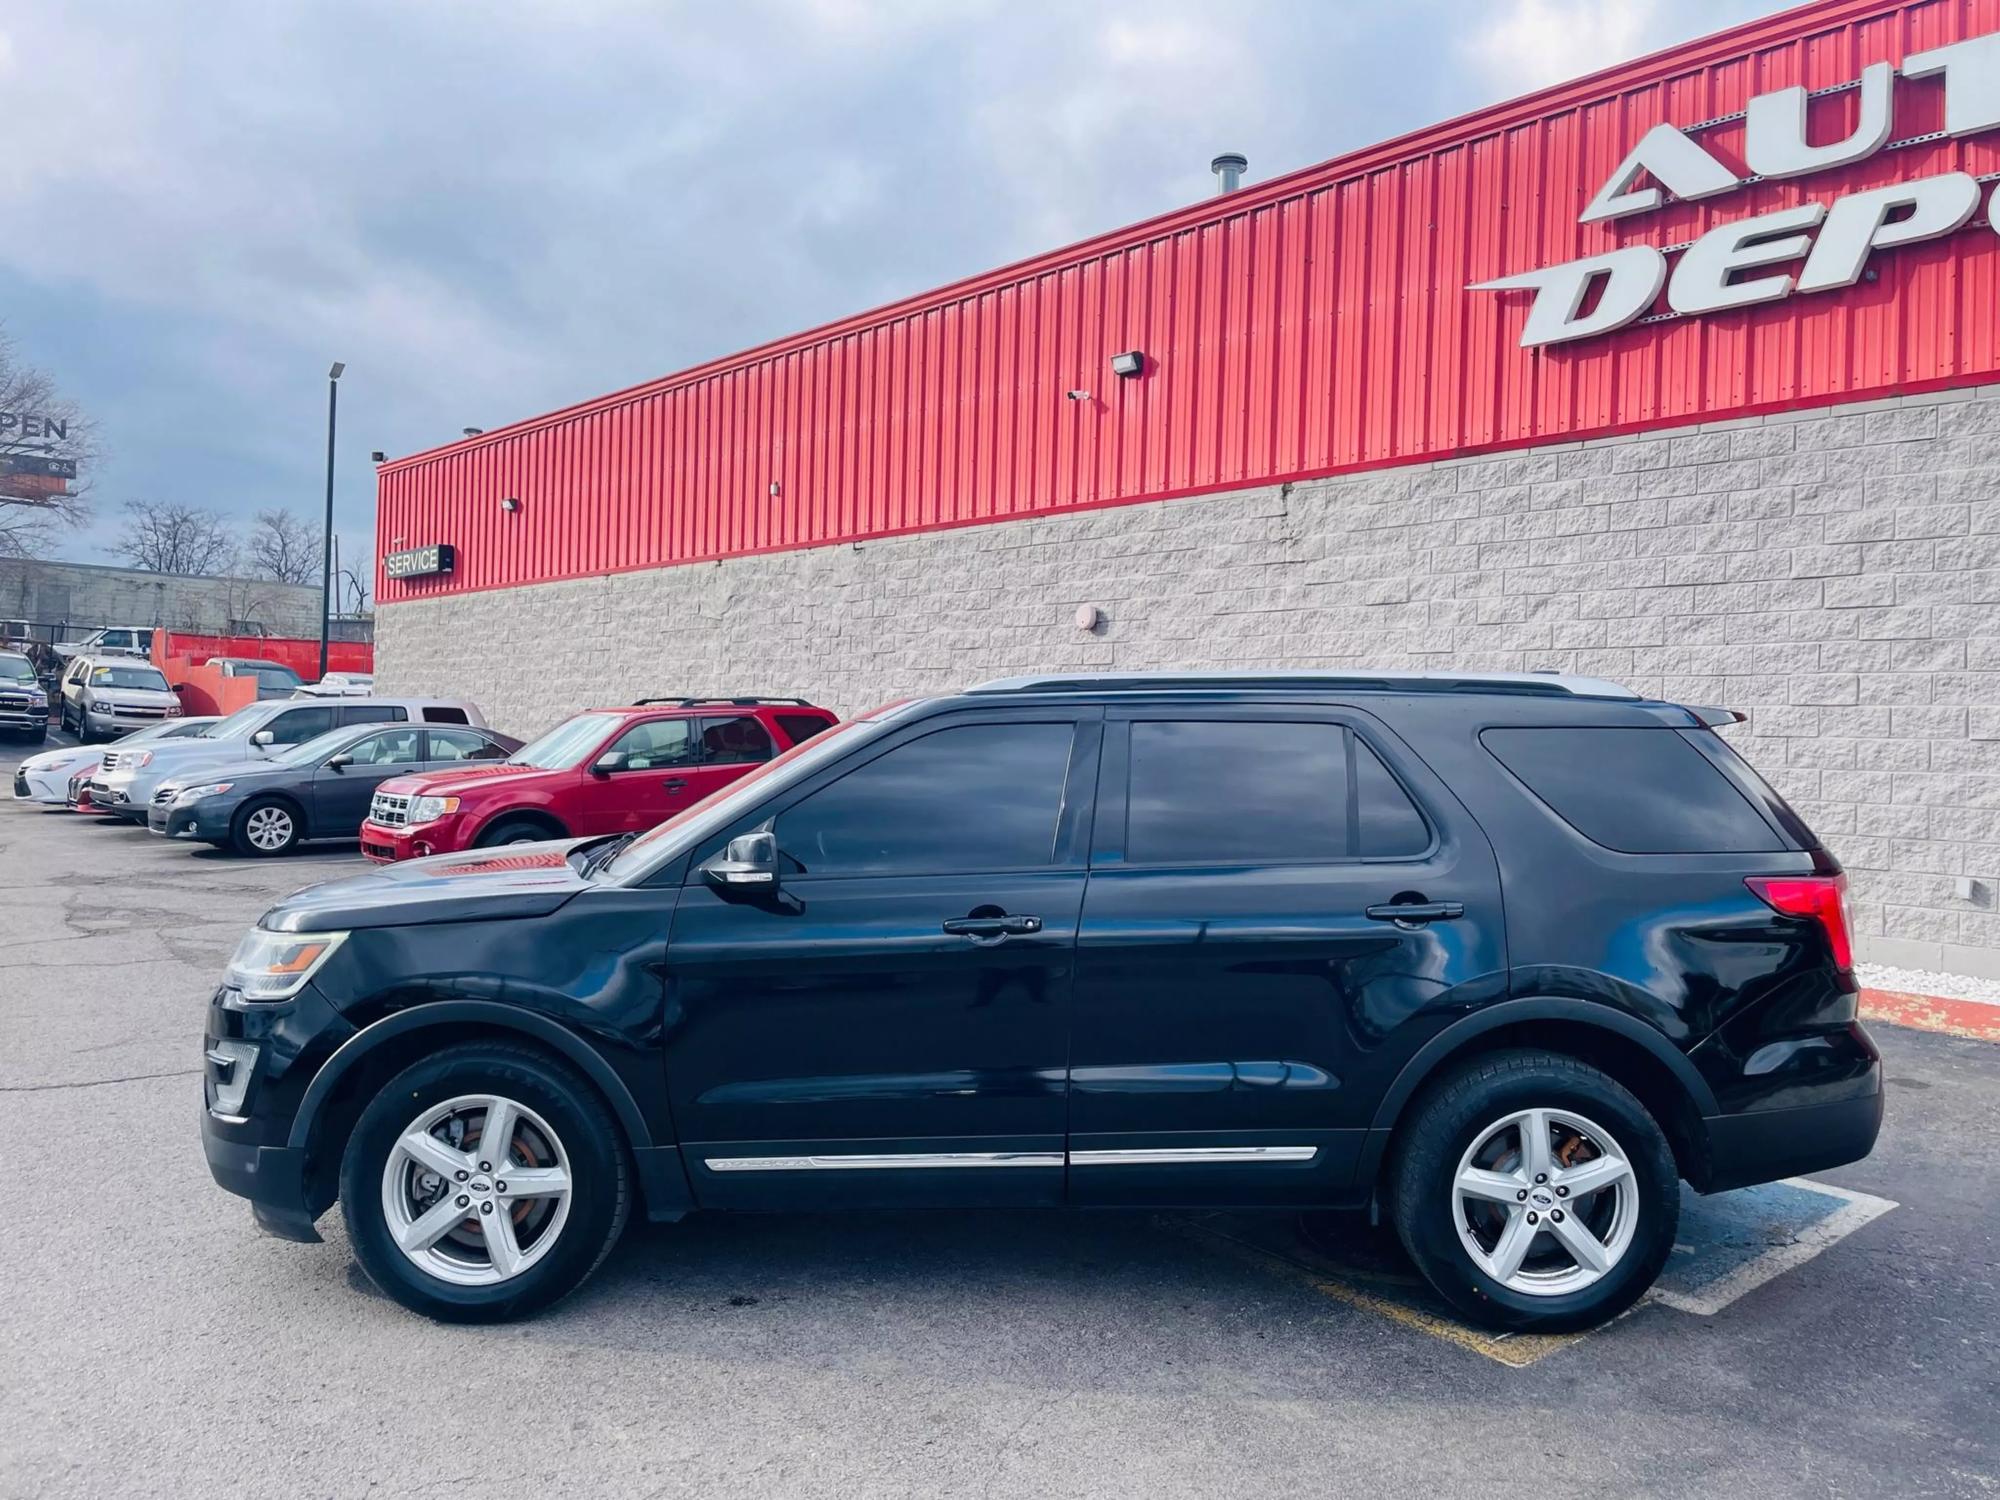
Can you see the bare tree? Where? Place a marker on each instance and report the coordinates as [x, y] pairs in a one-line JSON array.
[[163, 537], [284, 546], [356, 573], [41, 423]]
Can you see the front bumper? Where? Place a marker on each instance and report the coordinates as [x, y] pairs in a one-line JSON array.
[[16, 720], [385, 845], [113, 794], [258, 1061], [50, 787], [196, 820]]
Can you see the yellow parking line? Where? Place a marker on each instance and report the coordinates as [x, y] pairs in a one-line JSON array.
[[1516, 1351]]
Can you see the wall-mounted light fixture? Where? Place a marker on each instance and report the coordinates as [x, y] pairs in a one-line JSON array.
[[1077, 395], [378, 457], [1131, 362], [510, 504], [1088, 617], [472, 431], [774, 489]]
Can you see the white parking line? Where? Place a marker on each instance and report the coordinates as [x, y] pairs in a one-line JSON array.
[[1859, 1209]]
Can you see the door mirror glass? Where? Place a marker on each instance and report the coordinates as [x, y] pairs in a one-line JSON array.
[[263, 737], [609, 761], [748, 862]]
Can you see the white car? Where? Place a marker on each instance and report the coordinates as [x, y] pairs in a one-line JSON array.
[[338, 685], [45, 777]]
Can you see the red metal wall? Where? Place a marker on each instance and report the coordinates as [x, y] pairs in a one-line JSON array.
[[1313, 324]]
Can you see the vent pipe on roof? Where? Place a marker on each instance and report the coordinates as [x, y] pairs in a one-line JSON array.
[[1229, 169]]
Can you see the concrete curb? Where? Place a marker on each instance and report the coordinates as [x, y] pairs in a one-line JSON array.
[[1975, 1019]]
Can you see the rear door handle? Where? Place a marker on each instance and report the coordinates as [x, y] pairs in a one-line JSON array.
[[674, 784], [992, 926], [1411, 913]]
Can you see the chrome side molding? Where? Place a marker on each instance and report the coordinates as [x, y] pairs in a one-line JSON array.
[[1166, 1156]]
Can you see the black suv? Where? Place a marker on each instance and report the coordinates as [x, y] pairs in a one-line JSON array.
[[1510, 955]]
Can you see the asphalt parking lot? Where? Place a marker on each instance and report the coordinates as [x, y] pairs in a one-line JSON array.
[[1836, 1338]]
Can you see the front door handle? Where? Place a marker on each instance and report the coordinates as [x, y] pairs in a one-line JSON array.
[[1413, 913], [992, 927], [674, 784]]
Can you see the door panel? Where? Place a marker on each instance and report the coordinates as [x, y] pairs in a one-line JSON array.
[[341, 798], [885, 1028], [1233, 1016]]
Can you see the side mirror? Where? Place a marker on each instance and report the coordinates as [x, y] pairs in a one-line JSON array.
[[749, 862], [609, 761], [339, 762], [263, 737]]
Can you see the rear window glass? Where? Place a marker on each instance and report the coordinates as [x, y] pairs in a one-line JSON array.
[[801, 727], [1638, 791]]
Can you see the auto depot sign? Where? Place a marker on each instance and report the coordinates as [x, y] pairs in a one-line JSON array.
[[1822, 245]]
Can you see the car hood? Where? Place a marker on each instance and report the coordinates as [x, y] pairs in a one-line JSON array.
[[68, 758], [522, 880], [457, 783]]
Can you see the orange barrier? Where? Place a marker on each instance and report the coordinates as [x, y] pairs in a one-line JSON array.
[[204, 689]]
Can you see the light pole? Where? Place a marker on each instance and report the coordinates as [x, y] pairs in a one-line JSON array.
[[326, 536]]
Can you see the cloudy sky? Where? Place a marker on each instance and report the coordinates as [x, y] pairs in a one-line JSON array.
[[491, 210]]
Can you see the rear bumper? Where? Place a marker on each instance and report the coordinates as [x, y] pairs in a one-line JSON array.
[[1768, 1144]]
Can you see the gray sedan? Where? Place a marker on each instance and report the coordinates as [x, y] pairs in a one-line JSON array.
[[318, 790]]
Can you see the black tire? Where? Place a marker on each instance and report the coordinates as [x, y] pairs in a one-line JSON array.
[[600, 1192], [273, 813], [1454, 1113], [515, 831]]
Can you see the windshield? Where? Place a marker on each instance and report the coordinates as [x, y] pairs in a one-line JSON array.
[[567, 744], [719, 807], [16, 669], [146, 678]]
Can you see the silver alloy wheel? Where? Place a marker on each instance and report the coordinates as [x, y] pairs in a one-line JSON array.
[[1546, 1202], [268, 828], [464, 1207]]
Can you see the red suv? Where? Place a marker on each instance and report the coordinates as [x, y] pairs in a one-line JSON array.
[[607, 770]]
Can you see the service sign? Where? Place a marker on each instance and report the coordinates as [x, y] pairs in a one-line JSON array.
[[421, 562], [1819, 246]]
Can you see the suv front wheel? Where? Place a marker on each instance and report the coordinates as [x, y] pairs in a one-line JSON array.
[[483, 1183], [1535, 1192]]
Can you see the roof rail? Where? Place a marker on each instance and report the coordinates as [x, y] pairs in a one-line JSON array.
[[1530, 684], [753, 702]]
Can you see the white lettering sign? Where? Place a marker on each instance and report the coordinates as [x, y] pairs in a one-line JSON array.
[[1816, 247]]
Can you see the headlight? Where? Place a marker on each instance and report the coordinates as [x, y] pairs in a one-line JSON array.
[[275, 965], [430, 809], [196, 793], [143, 758], [173, 710], [99, 708]]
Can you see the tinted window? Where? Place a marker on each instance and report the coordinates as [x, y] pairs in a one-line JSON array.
[[1390, 826], [979, 797], [373, 713], [296, 726], [801, 727], [445, 716], [655, 744], [1639, 791], [463, 744], [735, 741], [1212, 791]]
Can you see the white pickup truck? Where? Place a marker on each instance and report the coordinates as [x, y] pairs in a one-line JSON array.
[[112, 640]]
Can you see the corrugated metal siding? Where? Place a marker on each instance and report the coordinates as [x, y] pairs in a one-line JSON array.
[[1310, 325]]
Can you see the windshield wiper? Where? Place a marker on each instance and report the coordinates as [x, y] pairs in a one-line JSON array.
[[604, 853]]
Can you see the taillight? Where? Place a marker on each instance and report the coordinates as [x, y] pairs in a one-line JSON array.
[[1820, 898]]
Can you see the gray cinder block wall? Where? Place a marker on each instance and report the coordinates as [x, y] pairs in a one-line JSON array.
[[1834, 572], [85, 596]]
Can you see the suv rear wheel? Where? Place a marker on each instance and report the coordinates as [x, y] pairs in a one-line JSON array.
[[1534, 1192], [484, 1183]]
